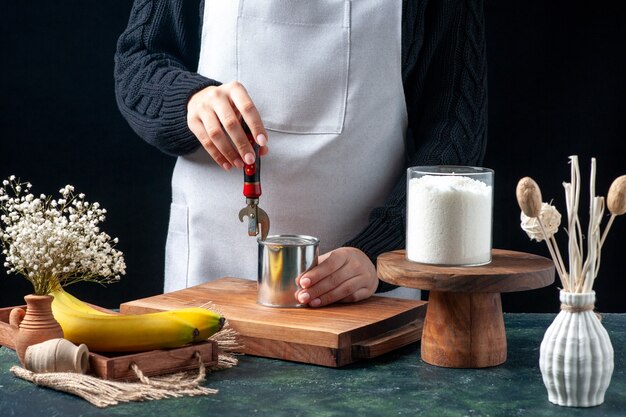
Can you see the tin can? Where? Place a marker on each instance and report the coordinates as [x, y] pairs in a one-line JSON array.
[[282, 258]]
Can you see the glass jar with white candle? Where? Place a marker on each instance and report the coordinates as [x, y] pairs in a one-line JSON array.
[[449, 215]]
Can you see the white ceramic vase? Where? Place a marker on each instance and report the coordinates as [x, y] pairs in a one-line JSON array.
[[576, 356]]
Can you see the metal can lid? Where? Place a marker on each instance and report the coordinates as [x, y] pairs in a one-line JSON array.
[[289, 240]]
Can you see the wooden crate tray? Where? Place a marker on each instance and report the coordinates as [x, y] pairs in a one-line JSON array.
[[332, 336], [118, 366]]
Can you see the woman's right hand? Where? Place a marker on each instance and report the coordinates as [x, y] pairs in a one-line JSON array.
[[213, 115]]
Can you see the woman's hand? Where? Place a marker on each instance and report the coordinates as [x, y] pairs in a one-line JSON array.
[[344, 275], [213, 115]]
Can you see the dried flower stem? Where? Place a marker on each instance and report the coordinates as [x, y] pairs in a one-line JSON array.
[[556, 255], [534, 211], [607, 228], [616, 203], [572, 197], [559, 259], [581, 275]]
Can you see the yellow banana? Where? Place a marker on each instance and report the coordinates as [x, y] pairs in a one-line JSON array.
[[103, 332], [206, 321], [67, 299]]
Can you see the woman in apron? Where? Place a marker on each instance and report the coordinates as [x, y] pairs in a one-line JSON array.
[[347, 93]]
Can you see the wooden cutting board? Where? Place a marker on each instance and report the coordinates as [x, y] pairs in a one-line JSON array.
[[331, 336]]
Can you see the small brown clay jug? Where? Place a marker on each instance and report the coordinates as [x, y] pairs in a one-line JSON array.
[[35, 325]]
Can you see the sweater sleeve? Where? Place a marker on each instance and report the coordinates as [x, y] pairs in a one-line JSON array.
[[445, 85], [155, 76]]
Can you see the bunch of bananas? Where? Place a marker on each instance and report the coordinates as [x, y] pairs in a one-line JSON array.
[[110, 332]]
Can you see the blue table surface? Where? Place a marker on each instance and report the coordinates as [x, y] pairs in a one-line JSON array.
[[395, 384]]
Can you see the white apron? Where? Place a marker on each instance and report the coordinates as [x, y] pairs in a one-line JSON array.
[[325, 76]]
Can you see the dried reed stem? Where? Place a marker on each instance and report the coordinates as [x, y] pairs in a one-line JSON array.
[[559, 259], [582, 274], [607, 228], [556, 256]]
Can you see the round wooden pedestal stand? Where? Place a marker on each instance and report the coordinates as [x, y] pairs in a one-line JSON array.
[[464, 326]]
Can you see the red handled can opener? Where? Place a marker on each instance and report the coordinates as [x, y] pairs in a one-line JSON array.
[[252, 191]]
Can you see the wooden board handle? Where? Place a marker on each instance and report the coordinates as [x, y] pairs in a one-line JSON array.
[[386, 342], [8, 333]]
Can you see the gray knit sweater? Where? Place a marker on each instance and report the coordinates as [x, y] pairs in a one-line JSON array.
[[443, 70]]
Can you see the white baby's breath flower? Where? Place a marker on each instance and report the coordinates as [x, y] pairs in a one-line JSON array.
[[550, 217], [55, 243]]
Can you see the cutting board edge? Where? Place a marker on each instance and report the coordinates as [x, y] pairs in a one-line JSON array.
[[337, 340], [359, 334], [251, 328], [294, 352]]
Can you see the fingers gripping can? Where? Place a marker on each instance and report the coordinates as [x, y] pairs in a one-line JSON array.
[[281, 259]]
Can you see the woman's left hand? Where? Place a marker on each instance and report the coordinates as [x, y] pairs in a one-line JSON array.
[[343, 275]]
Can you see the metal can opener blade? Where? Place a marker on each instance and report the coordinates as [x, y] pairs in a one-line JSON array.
[[257, 217]]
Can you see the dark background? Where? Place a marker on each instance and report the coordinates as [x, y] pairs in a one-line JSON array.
[[556, 88]]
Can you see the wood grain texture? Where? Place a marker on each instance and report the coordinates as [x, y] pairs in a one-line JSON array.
[[156, 362], [8, 333], [295, 352], [509, 271], [464, 330], [323, 336], [464, 327], [389, 341]]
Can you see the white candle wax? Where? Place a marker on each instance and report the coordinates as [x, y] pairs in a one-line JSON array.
[[449, 220]]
